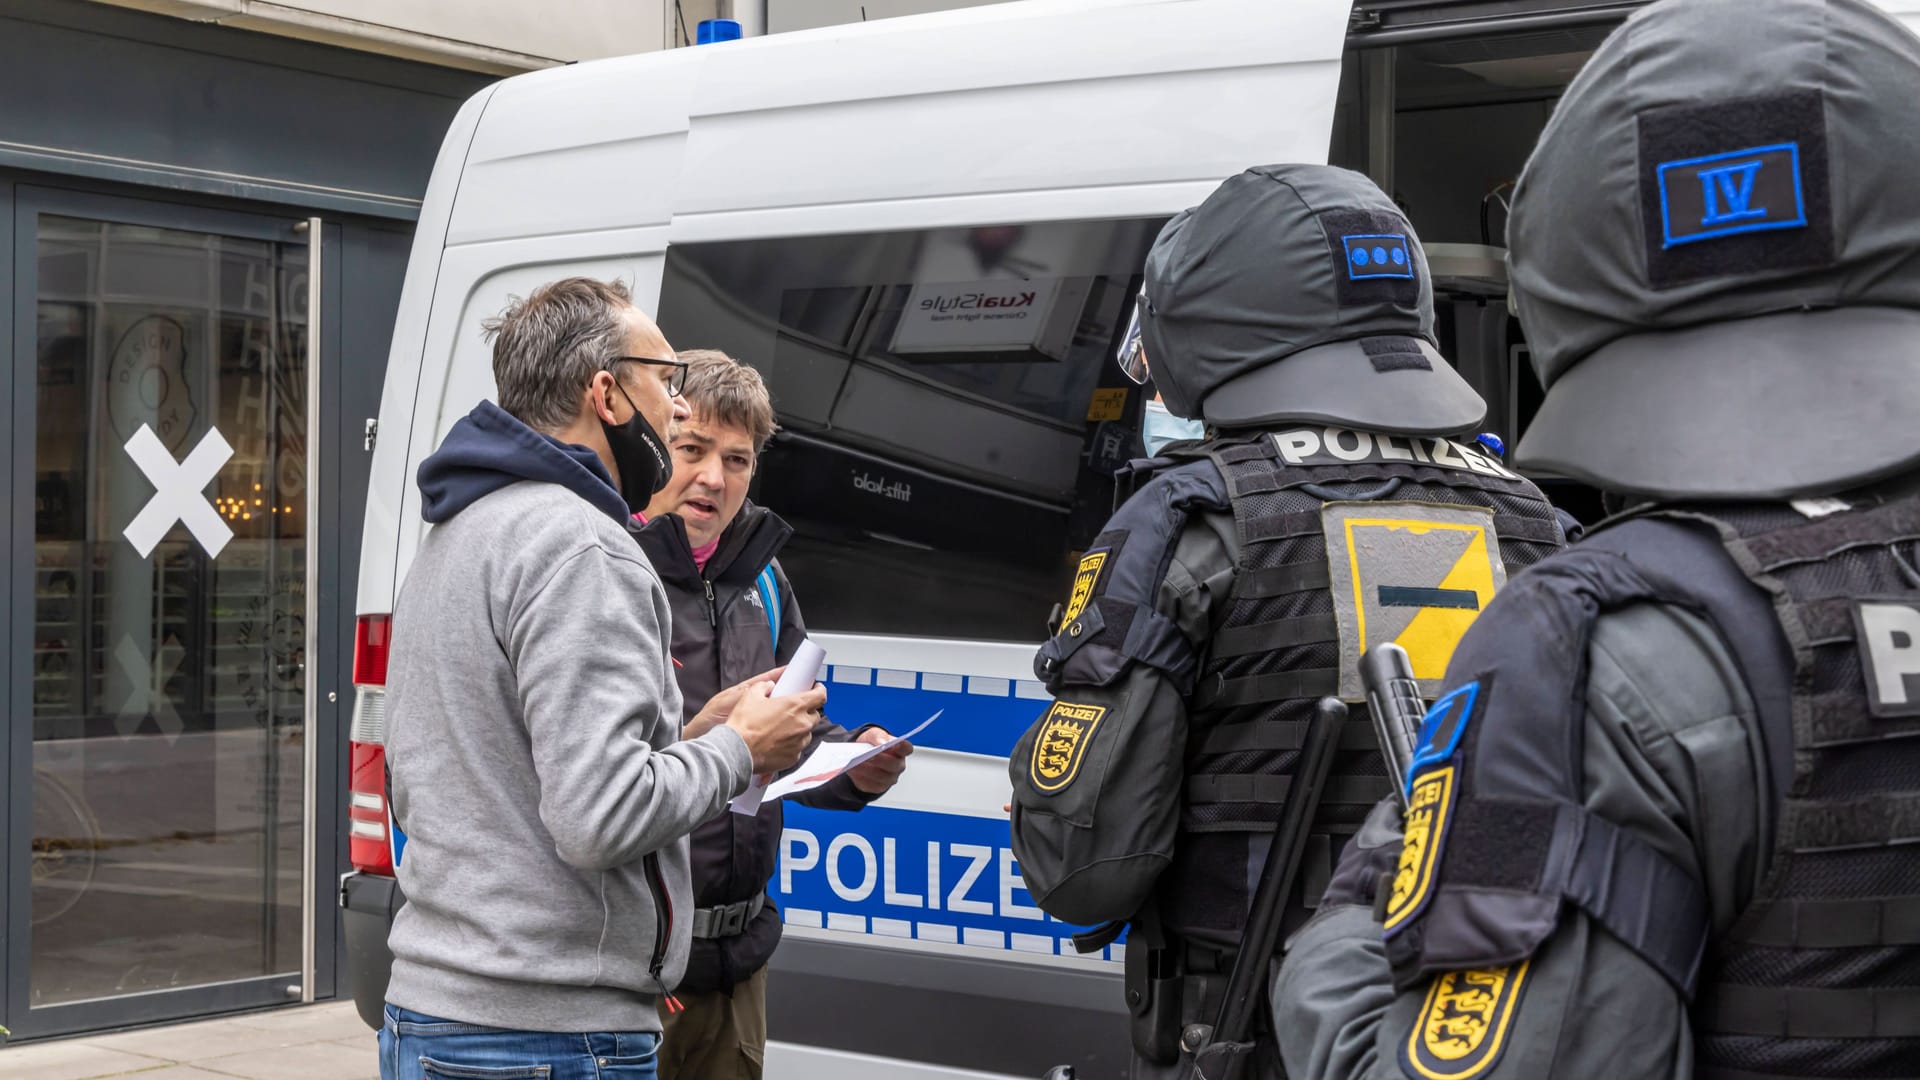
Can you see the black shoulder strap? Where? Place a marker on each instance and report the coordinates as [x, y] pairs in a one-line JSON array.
[[1110, 621], [1667, 543], [1518, 843]]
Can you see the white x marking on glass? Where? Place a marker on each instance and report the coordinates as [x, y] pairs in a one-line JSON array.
[[177, 491]]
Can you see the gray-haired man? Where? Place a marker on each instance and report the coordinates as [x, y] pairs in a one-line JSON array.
[[534, 723]]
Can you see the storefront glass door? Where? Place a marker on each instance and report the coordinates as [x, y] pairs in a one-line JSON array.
[[161, 856]]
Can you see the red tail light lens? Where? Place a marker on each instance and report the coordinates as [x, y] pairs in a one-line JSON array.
[[372, 635], [368, 824]]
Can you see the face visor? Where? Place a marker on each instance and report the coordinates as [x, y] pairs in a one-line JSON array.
[[1132, 355]]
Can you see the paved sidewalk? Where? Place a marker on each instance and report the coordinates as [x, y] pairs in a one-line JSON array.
[[311, 1042]]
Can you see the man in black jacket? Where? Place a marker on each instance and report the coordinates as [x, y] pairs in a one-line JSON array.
[[734, 616]]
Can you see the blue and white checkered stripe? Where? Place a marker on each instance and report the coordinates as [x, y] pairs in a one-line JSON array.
[[931, 862]]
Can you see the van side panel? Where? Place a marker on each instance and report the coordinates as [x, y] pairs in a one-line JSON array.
[[579, 150], [1014, 99], [1052, 100], [1907, 11], [998, 114], [390, 471], [476, 283]]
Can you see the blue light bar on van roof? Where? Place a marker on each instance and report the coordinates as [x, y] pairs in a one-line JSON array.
[[712, 30]]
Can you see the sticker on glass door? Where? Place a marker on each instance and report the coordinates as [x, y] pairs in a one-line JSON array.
[[177, 487]]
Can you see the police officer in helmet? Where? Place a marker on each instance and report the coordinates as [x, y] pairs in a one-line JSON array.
[[1666, 821], [1331, 506]]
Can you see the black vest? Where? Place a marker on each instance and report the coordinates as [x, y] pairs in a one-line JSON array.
[[1820, 975], [1280, 647]]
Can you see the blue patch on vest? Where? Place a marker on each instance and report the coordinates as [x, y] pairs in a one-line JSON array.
[[1441, 731], [1384, 255], [1745, 191]]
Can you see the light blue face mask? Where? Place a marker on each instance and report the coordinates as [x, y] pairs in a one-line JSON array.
[[1161, 427]]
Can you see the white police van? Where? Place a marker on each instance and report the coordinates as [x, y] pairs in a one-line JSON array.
[[927, 234]]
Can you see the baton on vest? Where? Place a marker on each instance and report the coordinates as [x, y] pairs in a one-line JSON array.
[[1227, 1042], [1393, 697]]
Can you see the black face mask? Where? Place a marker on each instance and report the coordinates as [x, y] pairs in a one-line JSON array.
[[641, 455]]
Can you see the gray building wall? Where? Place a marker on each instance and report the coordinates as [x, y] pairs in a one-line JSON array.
[[91, 91]]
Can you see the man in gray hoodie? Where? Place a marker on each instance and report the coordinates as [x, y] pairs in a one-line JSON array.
[[533, 734]]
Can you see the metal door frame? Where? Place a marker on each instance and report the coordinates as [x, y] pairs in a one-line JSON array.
[[19, 453], [19, 284]]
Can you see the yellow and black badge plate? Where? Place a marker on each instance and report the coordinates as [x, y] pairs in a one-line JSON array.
[[1065, 733], [1464, 1023], [1415, 574]]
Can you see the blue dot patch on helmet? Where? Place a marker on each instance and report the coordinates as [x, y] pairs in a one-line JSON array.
[[1377, 256]]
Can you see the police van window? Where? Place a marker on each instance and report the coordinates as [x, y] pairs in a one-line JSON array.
[[1578, 499], [946, 448]]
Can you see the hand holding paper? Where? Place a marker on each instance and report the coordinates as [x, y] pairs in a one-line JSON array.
[[721, 705], [877, 775], [802, 672], [778, 726], [829, 760]]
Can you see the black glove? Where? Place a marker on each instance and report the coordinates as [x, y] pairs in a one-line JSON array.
[[1371, 856]]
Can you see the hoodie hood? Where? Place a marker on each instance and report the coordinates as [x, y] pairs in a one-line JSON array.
[[488, 449]]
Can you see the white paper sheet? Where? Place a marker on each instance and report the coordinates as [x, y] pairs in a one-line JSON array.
[[830, 759], [809, 660], [802, 671]]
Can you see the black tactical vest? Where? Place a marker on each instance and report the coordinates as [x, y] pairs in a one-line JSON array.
[[1820, 976], [1281, 649]]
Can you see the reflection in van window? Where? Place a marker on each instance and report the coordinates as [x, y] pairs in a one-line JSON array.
[[944, 454]]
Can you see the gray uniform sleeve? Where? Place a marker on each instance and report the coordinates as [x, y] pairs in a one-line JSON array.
[[1193, 594], [1094, 847], [1673, 753]]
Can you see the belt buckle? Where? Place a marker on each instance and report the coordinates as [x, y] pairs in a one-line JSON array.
[[734, 919]]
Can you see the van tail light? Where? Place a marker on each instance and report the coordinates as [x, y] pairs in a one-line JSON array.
[[369, 823]]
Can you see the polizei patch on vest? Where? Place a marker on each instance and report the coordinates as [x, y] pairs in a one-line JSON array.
[[1414, 574], [1888, 632], [1343, 446], [1429, 809], [1464, 1022], [1065, 733], [1084, 580], [1735, 188]]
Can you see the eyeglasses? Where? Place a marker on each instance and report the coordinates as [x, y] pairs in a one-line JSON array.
[[676, 381]]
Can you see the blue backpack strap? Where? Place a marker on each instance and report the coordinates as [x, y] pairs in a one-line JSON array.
[[769, 589]]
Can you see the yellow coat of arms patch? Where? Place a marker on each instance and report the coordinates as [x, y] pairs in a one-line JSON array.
[[1061, 744], [1462, 1026], [1428, 807], [1084, 579]]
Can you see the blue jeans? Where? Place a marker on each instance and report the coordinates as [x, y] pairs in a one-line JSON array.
[[416, 1047]]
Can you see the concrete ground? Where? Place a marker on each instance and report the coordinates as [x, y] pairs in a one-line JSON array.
[[311, 1042]]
